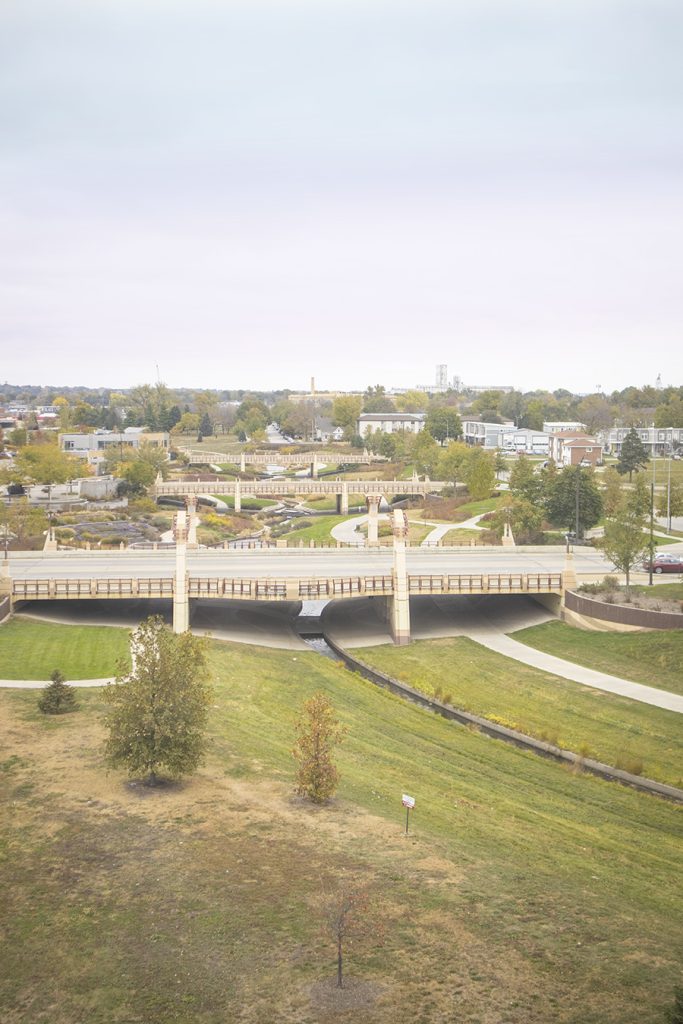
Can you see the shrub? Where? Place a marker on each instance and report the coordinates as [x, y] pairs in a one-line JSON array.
[[57, 698]]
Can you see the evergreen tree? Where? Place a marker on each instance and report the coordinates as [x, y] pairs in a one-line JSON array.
[[633, 454], [158, 712], [205, 425], [317, 732], [57, 698]]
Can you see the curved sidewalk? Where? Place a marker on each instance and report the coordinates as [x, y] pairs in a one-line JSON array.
[[36, 684], [510, 648]]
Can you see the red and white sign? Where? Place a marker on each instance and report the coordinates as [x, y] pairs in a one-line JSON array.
[[408, 801]]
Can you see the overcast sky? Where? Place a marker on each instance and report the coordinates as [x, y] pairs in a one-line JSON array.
[[251, 193]]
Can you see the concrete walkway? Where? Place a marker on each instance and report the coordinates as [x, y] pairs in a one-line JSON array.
[[441, 529], [347, 532], [511, 648]]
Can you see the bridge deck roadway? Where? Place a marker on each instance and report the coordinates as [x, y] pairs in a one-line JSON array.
[[297, 563]]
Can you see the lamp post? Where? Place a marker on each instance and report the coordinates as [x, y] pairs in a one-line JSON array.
[[579, 467]]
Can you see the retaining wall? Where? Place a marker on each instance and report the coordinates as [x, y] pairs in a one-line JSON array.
[[622, 615]]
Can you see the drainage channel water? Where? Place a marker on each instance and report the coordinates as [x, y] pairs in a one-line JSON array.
[[320, 645]]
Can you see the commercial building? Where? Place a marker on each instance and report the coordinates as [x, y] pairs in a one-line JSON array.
[[101, 440]]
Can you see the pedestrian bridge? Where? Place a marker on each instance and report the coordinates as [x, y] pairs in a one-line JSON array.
[[290, 588], [238, 489], [201, 457]]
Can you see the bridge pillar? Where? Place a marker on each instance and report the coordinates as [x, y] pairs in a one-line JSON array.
[[373, 501], [181, 601], [508, 541], [238, 496], [314, 467], [243, 462], [5, 590], [569, 581], [343, 500], [400, 602], [191, 502]]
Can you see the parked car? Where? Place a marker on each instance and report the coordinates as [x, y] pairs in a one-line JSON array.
[[664, 563]]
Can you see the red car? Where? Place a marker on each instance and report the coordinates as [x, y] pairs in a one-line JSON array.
[[664, 563]]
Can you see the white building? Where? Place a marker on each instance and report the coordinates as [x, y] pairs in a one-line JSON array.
[[558, 426], [657, 440], [100, 440], [390, 422]]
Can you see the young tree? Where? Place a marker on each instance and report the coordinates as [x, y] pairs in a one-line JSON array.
[[57, 698], [624, 542], [158, 712], [480, 473], [633, 454], [318, 731], [638, 499], [612, 491], [348, 916], [670, 501]]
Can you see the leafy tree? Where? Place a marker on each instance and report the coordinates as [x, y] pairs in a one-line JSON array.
[[444, 424], [670, 414], [377, 400], [158, 713], [425, 453], [412, 401], [612, 491], [43, 464], [624, 542], [345, 412], [187, 424], [638, 500], [633, 454], [524, 481], [452, 462], [596, 412], [24, 523], [561, 501], [57, 698], [480, 473], [318, 731], [671, 503], [524, 517]]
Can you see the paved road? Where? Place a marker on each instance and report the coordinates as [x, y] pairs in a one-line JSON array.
[[295, 562]]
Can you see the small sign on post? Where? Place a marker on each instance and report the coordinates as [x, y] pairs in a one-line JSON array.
[[408, 803]]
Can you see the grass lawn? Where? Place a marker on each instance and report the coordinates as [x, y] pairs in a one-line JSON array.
[[462, 537], [328, 502], [653, 658], [525, 893], [31, 650], [667, 590], [254, 504], [317, 530], [612, 729]]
